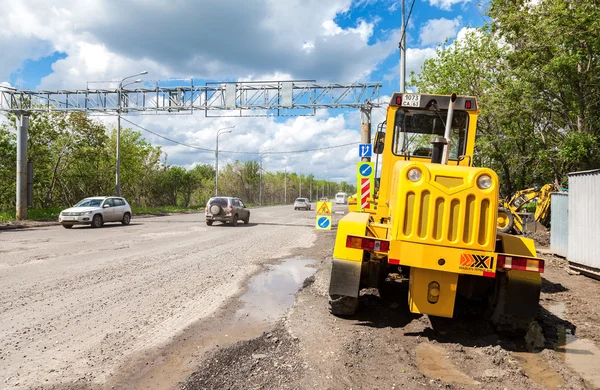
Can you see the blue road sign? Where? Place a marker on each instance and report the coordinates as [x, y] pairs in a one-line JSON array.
[[365, 169], [323, 222], [365, 150]]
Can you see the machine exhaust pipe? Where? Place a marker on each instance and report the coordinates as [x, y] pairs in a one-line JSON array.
[[439, 143], [448, 129]]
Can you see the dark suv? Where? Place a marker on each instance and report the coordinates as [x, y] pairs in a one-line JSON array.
[[226, 209]]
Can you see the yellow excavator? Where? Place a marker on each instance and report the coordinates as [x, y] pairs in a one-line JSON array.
[[508, 217]]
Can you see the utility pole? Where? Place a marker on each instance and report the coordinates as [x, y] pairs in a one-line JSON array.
[[365, 126], [260, 189], [310, 189], [402, 46], [22, 134], [300, 187], [285, 185]]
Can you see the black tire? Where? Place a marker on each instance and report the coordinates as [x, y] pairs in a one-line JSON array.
[[209, 222], [505, 221], [234, 221], [97, 221], [342, 305], [515, 326], [247, 219], [67, 226], [126, 219]]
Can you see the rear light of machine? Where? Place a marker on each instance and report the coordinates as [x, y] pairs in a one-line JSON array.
[[467, 104], [521, 263], [229, 209], [368, 244], [399, 100]]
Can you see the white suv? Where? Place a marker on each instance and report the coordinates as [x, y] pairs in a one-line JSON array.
[[226, 209], [96, 211], [302, 203]]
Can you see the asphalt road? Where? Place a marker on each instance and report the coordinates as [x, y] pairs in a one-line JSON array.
[[74, 304]]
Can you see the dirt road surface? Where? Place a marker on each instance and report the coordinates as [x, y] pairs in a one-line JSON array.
[[77, 304], [151, 307]]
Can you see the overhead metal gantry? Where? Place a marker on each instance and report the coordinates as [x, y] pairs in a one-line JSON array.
[[215, 99], [256, 98]]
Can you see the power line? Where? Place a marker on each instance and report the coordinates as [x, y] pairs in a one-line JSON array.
[[303, 151], [168, 139], [236, 152], [407, 20]]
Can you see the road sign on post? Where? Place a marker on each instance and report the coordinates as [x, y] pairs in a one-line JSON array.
[[323, 216], [324, 208], [365, 175], [365, 150], [323, 222]]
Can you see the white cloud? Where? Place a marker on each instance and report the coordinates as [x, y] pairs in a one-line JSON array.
[[447, 4], [437, 30], [258, 40], [414, 62], [106, 40]]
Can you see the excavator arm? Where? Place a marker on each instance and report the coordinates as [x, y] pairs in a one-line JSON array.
[[508, 217]]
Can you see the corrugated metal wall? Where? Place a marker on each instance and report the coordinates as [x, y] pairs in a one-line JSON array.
[[559, 223], [584, 218]]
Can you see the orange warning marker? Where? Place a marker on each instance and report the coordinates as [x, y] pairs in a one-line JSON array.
[[324, 208]]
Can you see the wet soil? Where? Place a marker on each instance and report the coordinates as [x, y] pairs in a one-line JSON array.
[[384, 346]]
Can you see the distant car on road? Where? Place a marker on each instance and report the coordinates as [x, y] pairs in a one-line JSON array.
[[95, 211], [226, 209], [324, 199], [302, 203]]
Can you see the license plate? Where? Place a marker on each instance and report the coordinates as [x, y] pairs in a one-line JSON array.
[[68, 218], [411, 100]]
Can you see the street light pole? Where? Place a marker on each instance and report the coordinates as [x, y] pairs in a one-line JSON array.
[[118, 165], [219, 132]]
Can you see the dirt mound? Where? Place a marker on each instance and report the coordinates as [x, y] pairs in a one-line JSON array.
[[541, 238], [269, 361]]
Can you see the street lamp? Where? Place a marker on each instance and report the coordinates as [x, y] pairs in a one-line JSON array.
[[219, 132], [118, 167]]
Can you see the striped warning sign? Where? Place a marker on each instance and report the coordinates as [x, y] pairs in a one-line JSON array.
[[365, 177], [365, 193]]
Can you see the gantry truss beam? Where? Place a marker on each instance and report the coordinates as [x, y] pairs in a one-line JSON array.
[[254, 98]]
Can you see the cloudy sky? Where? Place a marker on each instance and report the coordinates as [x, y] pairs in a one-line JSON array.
[[50, 45]]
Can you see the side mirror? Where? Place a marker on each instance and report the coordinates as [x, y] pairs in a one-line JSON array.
[[379, 142], [106, 206]]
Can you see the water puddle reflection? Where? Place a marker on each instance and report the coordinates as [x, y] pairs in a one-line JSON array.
[[539, 371], [270, 294], [581, 355]]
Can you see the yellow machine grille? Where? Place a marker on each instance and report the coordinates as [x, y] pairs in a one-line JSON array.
[[452, 220]]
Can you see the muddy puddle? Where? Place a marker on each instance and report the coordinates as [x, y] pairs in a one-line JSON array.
[[581, 355], [433, 362], [269, 295]]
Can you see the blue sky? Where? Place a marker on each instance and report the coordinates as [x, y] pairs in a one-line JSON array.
[[63, 45]]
